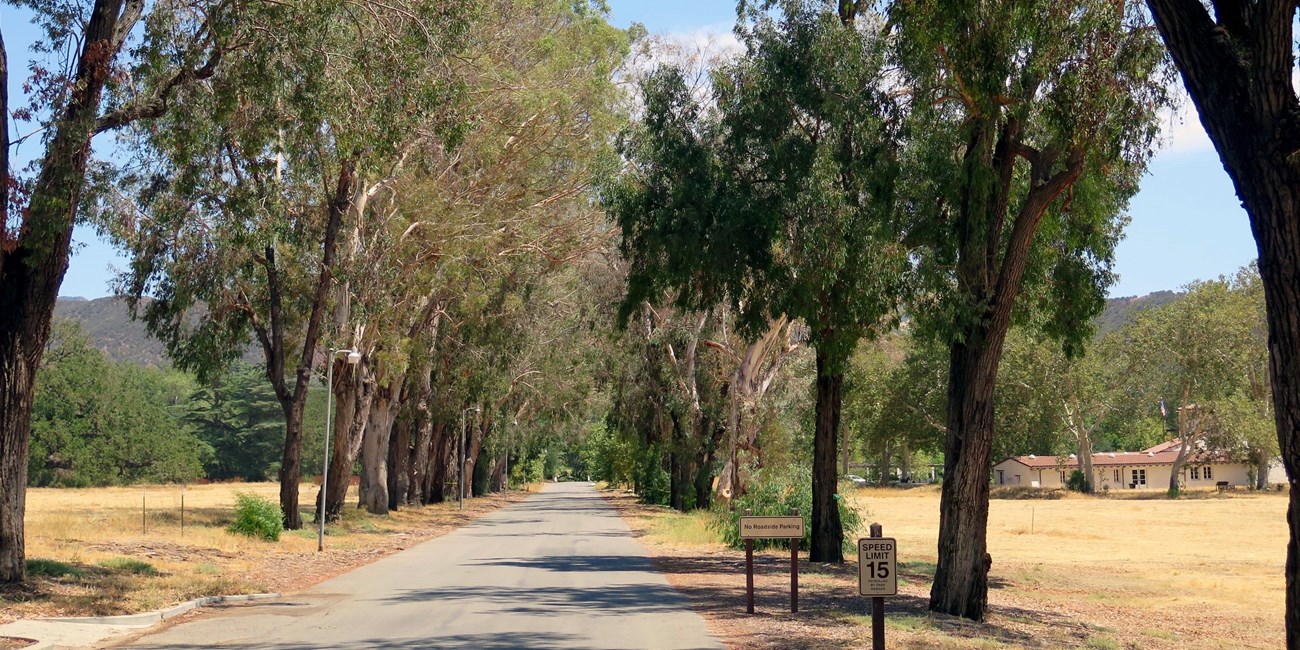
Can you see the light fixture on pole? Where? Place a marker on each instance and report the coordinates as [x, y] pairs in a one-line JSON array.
[[354, 358], [460, 473]]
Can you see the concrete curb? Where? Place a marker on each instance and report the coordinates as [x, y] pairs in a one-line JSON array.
[[149, 618], [52, 633]]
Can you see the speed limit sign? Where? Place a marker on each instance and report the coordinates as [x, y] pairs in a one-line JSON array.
[[877, 566]]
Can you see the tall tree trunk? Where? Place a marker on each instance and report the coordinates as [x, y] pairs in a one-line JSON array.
[[442, 446], [712, 434], [294, 401], [477, 436], [399, 458], [827, 530], [1085, 461], [676, 469], [374, 445], [351, 416], [962, 574], [1238, 73], [291, 462], [422, 445], [32, 266], [498, 482]]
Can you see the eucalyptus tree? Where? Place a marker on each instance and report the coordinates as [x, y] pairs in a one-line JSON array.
[[488, 219], [1031, 123], [777, 198], [90, 88], [1239, 68], [236, 211]]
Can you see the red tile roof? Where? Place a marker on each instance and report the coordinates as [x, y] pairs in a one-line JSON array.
[[1161, 454]]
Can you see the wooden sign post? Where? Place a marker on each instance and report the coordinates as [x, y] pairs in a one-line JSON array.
[[752, 528], [877, 577]]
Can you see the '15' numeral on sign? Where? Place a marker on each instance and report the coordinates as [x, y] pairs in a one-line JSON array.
[[878, 570]]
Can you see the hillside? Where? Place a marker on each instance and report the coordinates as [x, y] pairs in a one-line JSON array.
[[1122, 311], [111, 330]]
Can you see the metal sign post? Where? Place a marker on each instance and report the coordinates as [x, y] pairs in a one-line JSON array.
[[877, 577], [752, 528]]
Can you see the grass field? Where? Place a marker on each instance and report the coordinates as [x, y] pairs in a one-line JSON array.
[[1204, 569], [1090, 572], [107, 551]]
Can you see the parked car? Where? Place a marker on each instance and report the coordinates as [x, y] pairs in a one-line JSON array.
[[856, 480]]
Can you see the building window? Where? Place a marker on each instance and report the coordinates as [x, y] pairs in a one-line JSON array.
[[1000, 479], [1139, 478], [1207, 473], [1196, 474], [1117, 478], [1062, 477]]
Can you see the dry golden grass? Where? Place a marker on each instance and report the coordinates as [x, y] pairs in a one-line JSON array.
[[107, 551], [1220, 553], [1074, 572]]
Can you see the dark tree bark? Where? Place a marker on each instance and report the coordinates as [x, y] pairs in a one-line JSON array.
[[34, 258], [498, 480], [827, 529], [1237, 68], [961, 579], [422, 445], [352, 408], [400, 457], [989, 282], [711, 436], [442, 447], [293, 401]]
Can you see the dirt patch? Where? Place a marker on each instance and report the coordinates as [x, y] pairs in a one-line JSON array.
[[162, 550]]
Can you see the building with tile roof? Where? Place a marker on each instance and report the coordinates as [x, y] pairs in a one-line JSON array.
[[1132, 470]]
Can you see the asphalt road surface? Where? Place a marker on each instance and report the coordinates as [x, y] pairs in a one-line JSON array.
[[559, 570]]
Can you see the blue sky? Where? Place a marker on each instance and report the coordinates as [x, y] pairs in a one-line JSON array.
[[1187, 223]]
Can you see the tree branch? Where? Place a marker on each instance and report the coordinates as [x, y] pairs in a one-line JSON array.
[[155, 105]]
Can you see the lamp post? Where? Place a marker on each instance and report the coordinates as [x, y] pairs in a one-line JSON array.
[[460, 473], [354, 358]]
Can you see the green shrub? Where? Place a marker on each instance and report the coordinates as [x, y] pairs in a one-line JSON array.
[[652, 480], [1077, 482], [257, 517], [129, 565], [773, 493], [51, 569]]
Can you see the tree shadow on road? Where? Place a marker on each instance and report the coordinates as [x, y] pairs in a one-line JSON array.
[[482, 641]]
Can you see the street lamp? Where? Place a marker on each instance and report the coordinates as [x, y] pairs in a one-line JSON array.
[[460, 473], [354, 357]]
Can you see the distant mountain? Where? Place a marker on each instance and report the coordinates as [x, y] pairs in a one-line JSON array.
[[1122, 311], [110, 328]]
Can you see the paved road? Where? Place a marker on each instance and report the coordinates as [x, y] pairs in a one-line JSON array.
[[559, 570]]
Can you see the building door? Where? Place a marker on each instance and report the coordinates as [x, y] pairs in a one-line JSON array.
[[1139, 478]]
